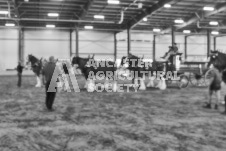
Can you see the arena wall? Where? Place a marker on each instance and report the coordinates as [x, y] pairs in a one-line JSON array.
[[8, 48], [44, 43]]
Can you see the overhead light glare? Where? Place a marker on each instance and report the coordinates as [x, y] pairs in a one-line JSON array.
[[88, 27], [4, 12], [113, 2], [215, 33], [145, 19], [53, 14], [140, 5], [214, 23], [9, 24], [167, 5], [156, 30], [50, 26], [99, 16], [208, 8], [186, 31], [179, 21]]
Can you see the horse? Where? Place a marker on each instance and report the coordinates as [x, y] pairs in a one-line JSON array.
[[37, 67], [90, 68], [218, 59], [135, 64]]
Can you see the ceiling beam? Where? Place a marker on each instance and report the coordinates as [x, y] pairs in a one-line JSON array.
[[147, 12], [198, 16], [86, 9]]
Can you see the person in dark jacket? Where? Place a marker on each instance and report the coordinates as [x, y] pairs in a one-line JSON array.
[[19, 73], [48, 72], [172, 50]]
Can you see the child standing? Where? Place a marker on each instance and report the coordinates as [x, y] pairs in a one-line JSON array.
[[215, 86]]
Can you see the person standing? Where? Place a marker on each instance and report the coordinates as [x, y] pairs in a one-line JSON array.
[[47, 72], [215, 86], [19, 73]]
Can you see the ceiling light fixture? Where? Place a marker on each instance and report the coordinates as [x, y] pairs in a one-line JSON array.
[[167, 5], [99, 16], [88, 27], [156, 30], [113, 2], [215, 33], [208, 8], [4, 12], [179, 21], [53, 14], [10, 24], [145, 19], [50, 26], [140, 5], [214, 23], [186, 31]]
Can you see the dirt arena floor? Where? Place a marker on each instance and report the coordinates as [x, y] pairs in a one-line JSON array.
[[151, 120]]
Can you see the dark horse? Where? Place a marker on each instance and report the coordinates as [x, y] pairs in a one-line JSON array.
[[36, 66], [218, 59], [91, 68], [137, 65]]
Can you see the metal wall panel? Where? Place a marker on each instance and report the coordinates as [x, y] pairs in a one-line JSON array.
[[8, 48], [121, 44], [45, 43], [197, 48], [221, 44], [99, 43], [162, 44], [141, 44]]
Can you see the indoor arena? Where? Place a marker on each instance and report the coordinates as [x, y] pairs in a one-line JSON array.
[[112, 75]]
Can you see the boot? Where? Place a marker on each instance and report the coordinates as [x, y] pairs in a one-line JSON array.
[[208, 106]]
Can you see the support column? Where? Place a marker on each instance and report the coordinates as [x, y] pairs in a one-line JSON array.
[[173, 34], [21, 45], [154, 47], [185, 47], [70, 34], [77, 41], [128, 41], [215, 43], [115, 45], [208, 43]]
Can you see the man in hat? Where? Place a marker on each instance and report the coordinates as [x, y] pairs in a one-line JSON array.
[[48, 71], [172, 50], [19, 73]]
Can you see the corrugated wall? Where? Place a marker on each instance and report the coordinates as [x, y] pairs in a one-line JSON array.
[[197, 48], [221, 44], [44, 43], [99, 43], [141, 44], [8, 48]]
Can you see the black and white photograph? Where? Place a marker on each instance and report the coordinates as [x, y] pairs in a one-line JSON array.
[[112, 75]]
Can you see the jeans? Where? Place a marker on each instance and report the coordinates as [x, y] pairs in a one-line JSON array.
[[50, 96], [19, 79]]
